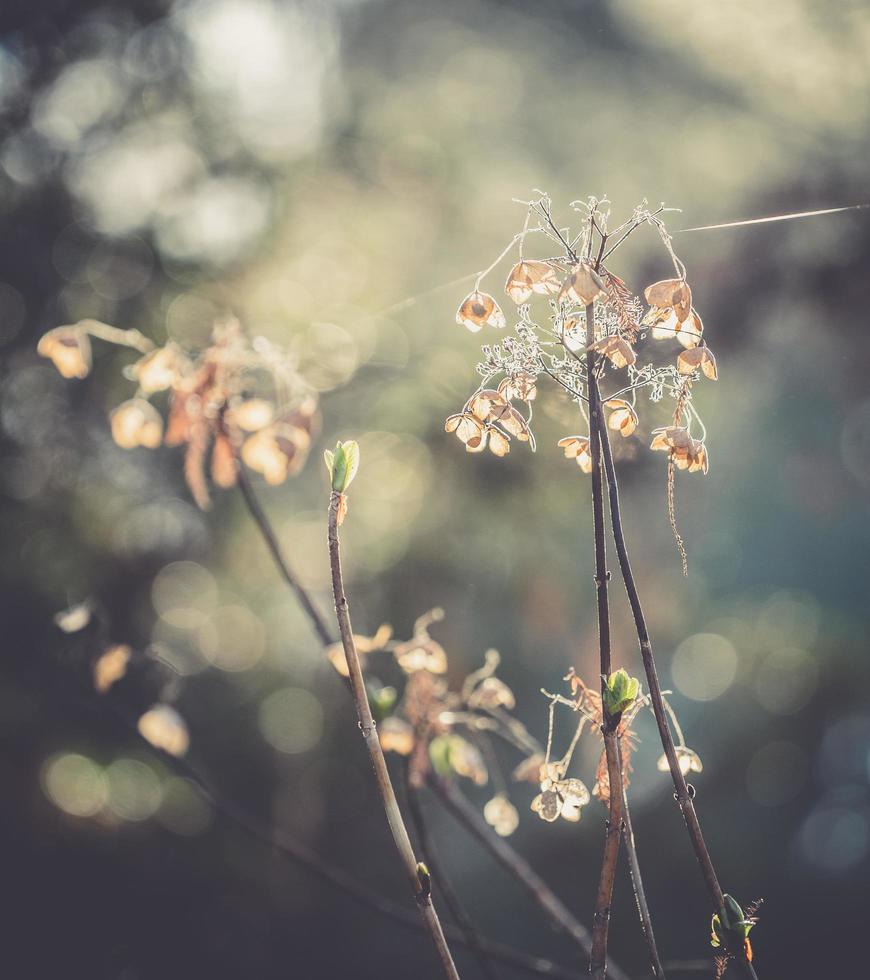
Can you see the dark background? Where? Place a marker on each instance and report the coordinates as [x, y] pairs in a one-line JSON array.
[[311, 167]]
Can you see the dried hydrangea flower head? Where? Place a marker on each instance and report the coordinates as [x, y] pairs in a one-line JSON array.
[[217, 410], [165, 729], [569, 308]]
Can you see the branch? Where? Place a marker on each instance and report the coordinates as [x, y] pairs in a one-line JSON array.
[[517, 866], [420, 882], [682, 794], [639, 893], [613, 831], [451, 899]]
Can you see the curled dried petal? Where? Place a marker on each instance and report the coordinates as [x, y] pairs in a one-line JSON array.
[[617, 350], [467, 427], [688, 759], [673, 294], [583, 285], [577, 448], [623, 417], [698, 357]]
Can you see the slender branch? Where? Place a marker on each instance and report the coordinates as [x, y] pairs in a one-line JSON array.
[[639, 893], [613, 831], [517, 866], [420, 882], [265, 528], [682, 794], [436, 868]]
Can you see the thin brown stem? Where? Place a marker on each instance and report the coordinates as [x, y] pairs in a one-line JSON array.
[[265, 528], [613, 832], [639, 893], [681, 790], [436, 868], [418, 880], [516, 865]]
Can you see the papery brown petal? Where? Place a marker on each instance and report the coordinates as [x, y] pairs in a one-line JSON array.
[[69, 349], [499, 444], [672, 294], [479, 309], [618, 351], [690, 331], [223, 462], [583, 285]]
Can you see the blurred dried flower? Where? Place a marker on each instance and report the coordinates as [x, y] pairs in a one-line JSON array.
[[364, 646], [69, 349], [529, 770], [276, 452], [492, 692], [75, 618], [111, 666], [251, 415], [165, 729], [159, 370], [688, 759], [396, 735], [478, 310], [136, 423], [501, 815], [687, 453], [559, 797]]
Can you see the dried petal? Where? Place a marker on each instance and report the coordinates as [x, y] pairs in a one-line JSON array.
[[520, 385], [618, 351], [276, 452], [466, 427], [531, 276], [691, 329], [478, 310], [69, 349], [223, 462], [583, 285], [528, 771], [623, 418], [698, 357], [499, 444], [577, 447], [672, 294], [689, 761], [547, 805], [136, 423], [485, 401]]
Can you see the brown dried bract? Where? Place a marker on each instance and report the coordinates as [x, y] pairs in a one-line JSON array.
[[618, 351], [583, 285]]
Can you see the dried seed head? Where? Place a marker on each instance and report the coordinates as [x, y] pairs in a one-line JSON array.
[[478, 310], [136, 423], [531, 276], [623, 417], [618, 351], [69, 349], [158, 370], [165, 729], [583, 285], [698, 357]]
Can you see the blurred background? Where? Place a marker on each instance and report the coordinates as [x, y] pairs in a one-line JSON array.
[[322, 170]]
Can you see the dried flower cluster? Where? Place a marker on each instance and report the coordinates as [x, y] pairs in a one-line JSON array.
[[550, 341], [236, 399]]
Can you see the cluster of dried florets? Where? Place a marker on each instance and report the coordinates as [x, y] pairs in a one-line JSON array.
[[573, 284], [216, 406]]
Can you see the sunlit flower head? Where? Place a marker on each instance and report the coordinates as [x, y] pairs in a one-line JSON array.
[[560, 798], [670, 294], [687, 452], [583, 285], [159, 370]]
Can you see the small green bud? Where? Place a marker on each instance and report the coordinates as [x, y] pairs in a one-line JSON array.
[[731, 919], [425, 879], [342, 465], [381, 699], [620, 692], [439, 753]]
